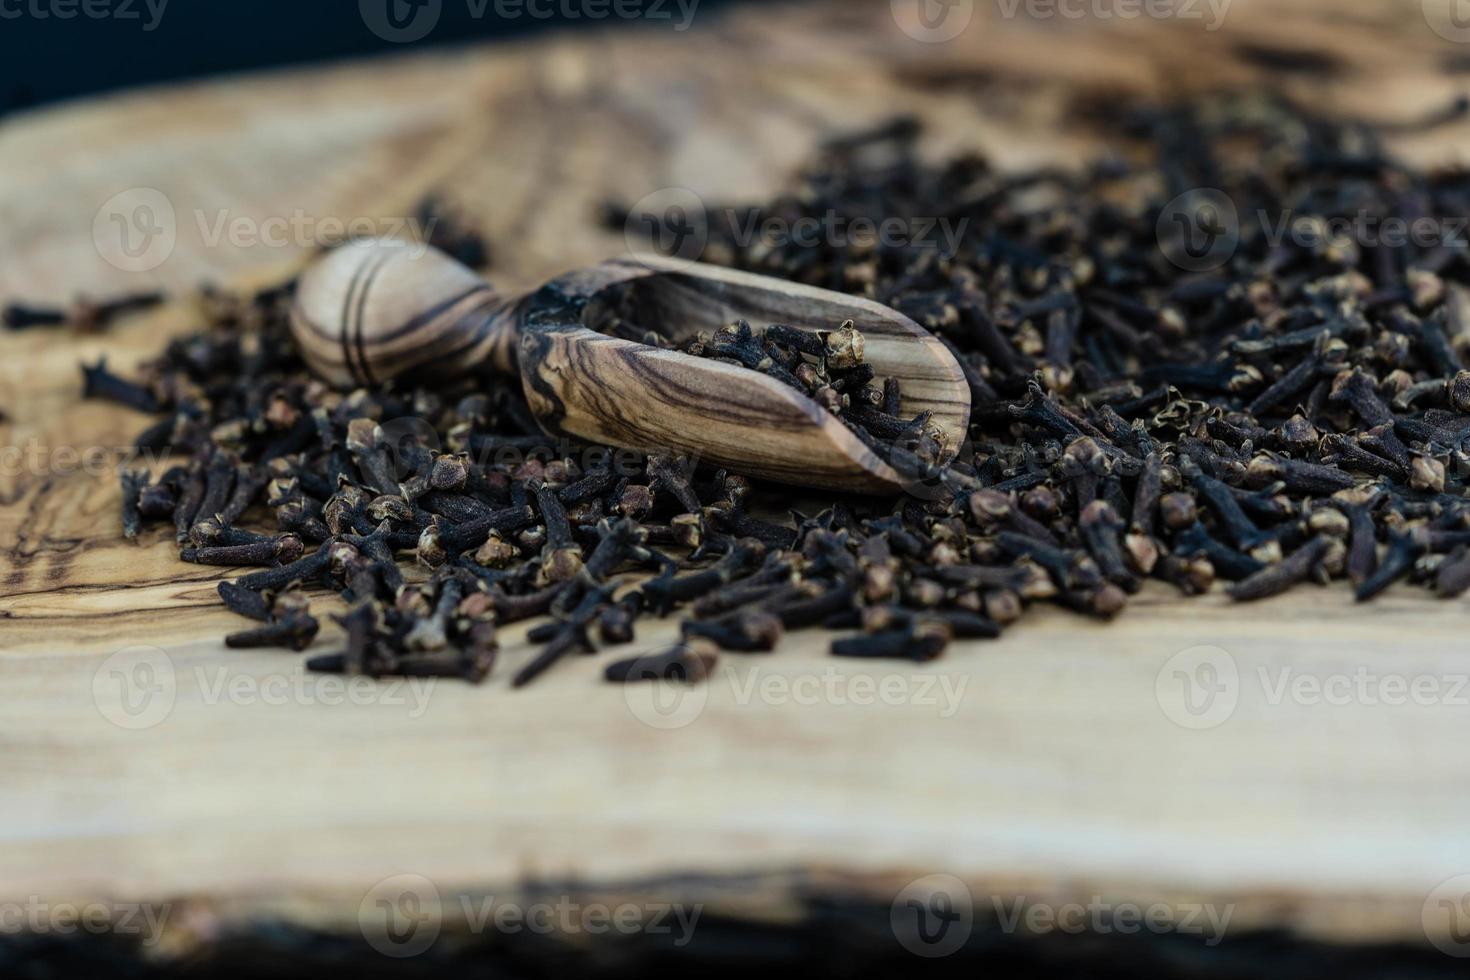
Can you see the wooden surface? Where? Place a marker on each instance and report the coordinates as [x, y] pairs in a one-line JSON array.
[[1058, 773]]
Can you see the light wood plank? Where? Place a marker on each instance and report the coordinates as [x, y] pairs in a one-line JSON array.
[[1058, 774]]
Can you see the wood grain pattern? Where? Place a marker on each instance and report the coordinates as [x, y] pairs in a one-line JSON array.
[[1058, 777], [703, 297], [380, 309]]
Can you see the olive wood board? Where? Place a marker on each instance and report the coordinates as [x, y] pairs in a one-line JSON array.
[[1059, 773]]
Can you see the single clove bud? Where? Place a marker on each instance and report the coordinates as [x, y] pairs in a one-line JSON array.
[[98, 382], [921, 642], [1277, 578], [690, 663], [295, 632], [133, 482], [749, 630]]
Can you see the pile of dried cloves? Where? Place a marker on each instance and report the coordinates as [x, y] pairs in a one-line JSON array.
[[1293, 409]]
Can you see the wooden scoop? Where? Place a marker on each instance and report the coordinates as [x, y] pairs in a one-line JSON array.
[[378, 309]]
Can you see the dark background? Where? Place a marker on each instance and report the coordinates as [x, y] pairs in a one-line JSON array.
[[45, 58]]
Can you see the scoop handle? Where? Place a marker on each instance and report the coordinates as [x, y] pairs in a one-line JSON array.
[[376, 309]]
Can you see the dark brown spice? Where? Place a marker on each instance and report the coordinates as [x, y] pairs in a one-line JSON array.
[[691, 663], [1292, 413], [295, 632]]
